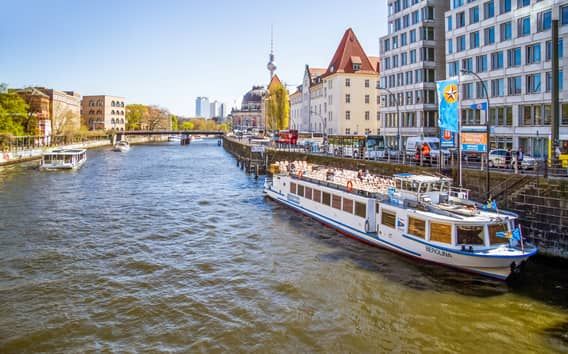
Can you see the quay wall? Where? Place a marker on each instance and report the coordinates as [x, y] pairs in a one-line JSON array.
[[541, 203], [12, 157]]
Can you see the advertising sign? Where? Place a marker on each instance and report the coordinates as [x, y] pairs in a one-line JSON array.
[[474, 141], [447, 139]]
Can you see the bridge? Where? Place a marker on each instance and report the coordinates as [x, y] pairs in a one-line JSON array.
[[171, 132]]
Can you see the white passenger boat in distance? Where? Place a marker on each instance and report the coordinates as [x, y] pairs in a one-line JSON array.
[[121, 146], [419, 216], [63, 159], [174, 138]]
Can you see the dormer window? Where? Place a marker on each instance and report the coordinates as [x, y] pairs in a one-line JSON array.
[[356, 66]]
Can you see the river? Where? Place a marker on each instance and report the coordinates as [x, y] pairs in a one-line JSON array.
[[172, 248]]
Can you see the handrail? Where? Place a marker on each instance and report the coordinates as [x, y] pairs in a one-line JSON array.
[[491, 193]]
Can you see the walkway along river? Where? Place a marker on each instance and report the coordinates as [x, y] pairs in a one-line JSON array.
[[172, 247]]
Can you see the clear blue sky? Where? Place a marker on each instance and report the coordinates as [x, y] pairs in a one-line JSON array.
[[167, 52]]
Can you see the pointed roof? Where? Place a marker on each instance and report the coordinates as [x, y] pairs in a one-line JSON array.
[[375, 61], [274, 82], [315, 72], [350, 52]]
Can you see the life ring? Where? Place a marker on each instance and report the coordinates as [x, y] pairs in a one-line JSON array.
[[300, 174], [349, 186], [366, 225]]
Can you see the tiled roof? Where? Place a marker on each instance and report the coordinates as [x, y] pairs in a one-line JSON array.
[[315, 72], [350, 52], [375, 62]]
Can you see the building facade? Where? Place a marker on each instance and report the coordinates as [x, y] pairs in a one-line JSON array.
[[342, 98], [202, 107], [104, 112], [412, 60], [251, 113], [64, 110], [214, 109], [509, 45], [40, 106]]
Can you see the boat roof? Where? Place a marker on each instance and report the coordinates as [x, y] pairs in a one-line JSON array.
[[66, 152], [420, 178]]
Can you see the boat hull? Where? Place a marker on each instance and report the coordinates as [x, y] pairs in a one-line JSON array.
[[498, 267]]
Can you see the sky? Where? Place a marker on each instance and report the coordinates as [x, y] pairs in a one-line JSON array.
[[168, 52]]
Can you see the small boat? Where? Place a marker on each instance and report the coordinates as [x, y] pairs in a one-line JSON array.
[[174, 138], [121, 146], [63, 159], [420, 216], [196, 138]]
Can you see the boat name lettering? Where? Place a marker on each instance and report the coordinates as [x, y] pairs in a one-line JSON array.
[[439, 252]]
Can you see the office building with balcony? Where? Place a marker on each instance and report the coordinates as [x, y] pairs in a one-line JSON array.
[[412, 60], [508, 44], [104, 112]]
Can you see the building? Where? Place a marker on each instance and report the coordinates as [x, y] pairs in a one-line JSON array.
[[509, 45], [250, 115], [214, 109], [343, 98], [104, 112], [412, 60], [40, 106], [222, 111], [202, 107]]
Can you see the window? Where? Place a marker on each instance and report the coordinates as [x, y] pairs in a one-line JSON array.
[[523, 3], [549, 80], [460, 19], [548, 49], [308, 193], [293, 188], [474, 14], [367, 99], [413, 56], [498, 88], [360, 210], [427, 54], [403, 60], [460, 43], [367, 83], [524, 26], [470, 235], [474, 40], [514, 57], [403, 40], [467, 91], [544, 21], [347, 115], [412, 36], [449, 23], [514, 84], [533, 53], [348, 205], [497, 60], [388, 218], [347, 98], [387, 45], [481, 63], [347, 82], [533, 83], [505, 6], [493, 238], [316, 195], [440, 232], [467, 64], [427, 33], [416, 227], [453, 68], [450, 46], [564, 15], [489, 35], [488, 9], [336, 201], [506, 31], [300, 190], [326, 198]]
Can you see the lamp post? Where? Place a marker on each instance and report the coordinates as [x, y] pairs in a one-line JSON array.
[[397, 117], [487, 128]]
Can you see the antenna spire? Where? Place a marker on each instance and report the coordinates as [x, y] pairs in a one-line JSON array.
[[271, 66]]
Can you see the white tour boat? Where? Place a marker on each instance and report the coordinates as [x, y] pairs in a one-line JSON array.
[[174, 138], [196, 138], [63, 159], [417, 215], [121, 146]]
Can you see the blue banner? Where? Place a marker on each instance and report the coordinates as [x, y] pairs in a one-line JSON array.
[[448, 105], [479, 106]]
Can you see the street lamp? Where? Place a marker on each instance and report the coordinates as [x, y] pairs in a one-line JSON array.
[[397, 117], [487, 128]]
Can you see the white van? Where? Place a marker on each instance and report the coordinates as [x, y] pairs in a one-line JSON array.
[[416, 141]]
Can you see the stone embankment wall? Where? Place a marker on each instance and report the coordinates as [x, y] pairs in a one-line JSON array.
[[8, 158], [541, 203]]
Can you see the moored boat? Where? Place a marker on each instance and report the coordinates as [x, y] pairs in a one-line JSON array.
[[63, 159], [420, 216], [174, 138], [121, 146]]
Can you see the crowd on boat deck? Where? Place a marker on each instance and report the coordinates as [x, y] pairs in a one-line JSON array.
[[357, 180]]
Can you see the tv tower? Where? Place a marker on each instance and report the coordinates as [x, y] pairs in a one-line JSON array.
[[271, 66]]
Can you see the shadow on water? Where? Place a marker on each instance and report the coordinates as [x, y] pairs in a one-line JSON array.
[[542, 279]]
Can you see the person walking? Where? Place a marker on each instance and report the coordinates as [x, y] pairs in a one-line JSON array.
[[426, 152]]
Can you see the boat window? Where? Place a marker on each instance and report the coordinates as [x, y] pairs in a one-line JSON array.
[[348, 205], [361, 209], [300, 190], [440, 232], [336, 202], [317, 195], [470, 235], [292, 187], [435, 187], [388, 218], [417, 227], [326, 198], [493, 238], [308, 193]]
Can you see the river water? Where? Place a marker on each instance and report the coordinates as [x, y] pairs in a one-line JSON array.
[[172, 248]]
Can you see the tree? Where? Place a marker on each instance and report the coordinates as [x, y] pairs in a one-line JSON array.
[[187, 125], [135, 113], [13, 113], [175, 122], [278, 107]]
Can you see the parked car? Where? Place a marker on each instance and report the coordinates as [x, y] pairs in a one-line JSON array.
[[499, 158]]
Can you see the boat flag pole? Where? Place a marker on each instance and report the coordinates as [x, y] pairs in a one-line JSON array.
[[459, 131]]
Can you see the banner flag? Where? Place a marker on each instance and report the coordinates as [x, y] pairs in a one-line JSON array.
[[479, 106], [448, 105]]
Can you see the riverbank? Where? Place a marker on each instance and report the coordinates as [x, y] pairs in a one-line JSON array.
[[26, 155]]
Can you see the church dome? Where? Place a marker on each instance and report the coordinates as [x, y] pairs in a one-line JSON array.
[[253, 98]]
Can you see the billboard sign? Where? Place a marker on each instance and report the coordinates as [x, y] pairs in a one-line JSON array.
[[474, 141]]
